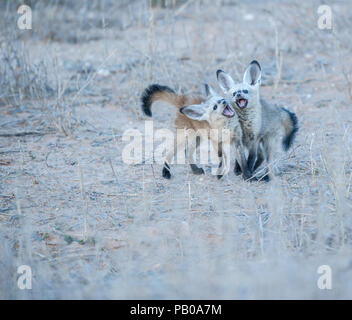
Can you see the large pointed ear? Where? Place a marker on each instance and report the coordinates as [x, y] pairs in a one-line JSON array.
[[209, 91], [195, 112], [225, 81], [253, 74]]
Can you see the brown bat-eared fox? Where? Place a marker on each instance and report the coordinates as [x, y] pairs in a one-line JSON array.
[[262, 123], [196, 113]]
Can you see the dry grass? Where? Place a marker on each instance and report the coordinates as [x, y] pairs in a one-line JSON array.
[[91, 226]]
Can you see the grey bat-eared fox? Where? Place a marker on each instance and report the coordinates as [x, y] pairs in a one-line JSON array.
[[261, 123], [195, 112]]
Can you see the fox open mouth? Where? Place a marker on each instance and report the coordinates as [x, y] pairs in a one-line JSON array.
[[241, 103], [228, 112]]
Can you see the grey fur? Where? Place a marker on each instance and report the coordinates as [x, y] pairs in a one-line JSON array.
[[261, 122]]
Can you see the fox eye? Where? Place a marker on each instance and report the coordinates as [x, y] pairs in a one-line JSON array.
[[215, 107], [234, 93], [245, 91]]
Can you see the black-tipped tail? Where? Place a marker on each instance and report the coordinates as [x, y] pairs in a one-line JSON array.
[[148, 94], [257, 64], [218, 72], [291, 131]]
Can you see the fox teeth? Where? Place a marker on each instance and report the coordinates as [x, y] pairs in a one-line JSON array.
[[228, 112], [242, 102]]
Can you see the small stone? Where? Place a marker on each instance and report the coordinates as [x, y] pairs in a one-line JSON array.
[[103, 73]]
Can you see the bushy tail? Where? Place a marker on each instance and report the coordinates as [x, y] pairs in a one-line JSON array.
[[290, 123], [156, 92]]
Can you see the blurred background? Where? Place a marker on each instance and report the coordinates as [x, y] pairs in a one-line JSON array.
[[92, 227]]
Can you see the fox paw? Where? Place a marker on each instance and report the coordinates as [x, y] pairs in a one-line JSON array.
[[265, 178], [166, 173], [237, 170], [196, 170]]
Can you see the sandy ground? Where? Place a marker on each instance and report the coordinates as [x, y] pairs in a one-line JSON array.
[[91, 226]]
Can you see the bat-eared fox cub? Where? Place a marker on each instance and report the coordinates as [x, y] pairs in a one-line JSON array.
[[261, 123], [212, 112]]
